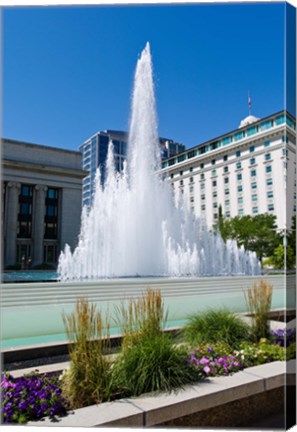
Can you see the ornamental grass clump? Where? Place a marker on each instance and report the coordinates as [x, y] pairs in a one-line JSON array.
[[149, 361], [31, 397], [88, 380], [213, 325], [258, 299]]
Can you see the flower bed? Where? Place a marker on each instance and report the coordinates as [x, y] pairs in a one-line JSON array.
[[31, 397], [149, 361]]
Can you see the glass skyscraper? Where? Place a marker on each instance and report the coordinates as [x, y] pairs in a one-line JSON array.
[[94, 153]]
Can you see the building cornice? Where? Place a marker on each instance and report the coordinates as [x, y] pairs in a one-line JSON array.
[[42, 168]]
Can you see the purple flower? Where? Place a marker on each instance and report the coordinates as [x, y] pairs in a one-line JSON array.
[[206, 369], [23, 405]]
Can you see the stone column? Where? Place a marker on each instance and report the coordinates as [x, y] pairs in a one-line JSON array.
[[11, 226], [38, 225]]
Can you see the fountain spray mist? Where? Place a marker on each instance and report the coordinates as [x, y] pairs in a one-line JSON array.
[[135, 227]]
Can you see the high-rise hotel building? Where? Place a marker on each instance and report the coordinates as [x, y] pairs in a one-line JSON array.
[[94, 153], [250, 170]]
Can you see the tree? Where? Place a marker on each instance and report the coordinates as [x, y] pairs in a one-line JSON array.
[[278, 258], [256, 233]]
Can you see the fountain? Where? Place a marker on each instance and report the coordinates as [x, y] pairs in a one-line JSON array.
[[135, 227]]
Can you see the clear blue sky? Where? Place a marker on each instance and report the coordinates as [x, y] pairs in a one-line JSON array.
[[68, 71]]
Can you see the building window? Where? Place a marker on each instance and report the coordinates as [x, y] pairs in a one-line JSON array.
[[214, 194], [227, 203], [215, 215], [181, 182], [191, 199], [228, 214], [270, 207], [239, 177], [270, 194], [215, 205], [267, 156], [240, 211], [255, 210], [240, 200], [227, 191], [191, 188], [254, 185], [225, 169], [202, 165], [252, 149], [203, 197], [239, 135], [238, 153], [214, 183], [171, 176], [253, 173], [239, 188], [50, 254], [225, 158], [252, 161], [226, 180], [238, 165], [51, 214], [181, 173], [191, 179], [252, 130], [268, 169], [266, 144], [202, 186], [254, 197], [203, 207], [202, 176], [191, 169], [213, 162], [213, 173], [24, 229]]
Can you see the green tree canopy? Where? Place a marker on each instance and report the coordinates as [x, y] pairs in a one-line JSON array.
[[256, 233]]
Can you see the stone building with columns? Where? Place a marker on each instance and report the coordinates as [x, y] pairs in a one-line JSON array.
[[41, 202]]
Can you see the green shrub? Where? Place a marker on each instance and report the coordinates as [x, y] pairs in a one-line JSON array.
[[258, 299], [88, 380], [213, 326], [149, 361], [291, 351], [252, 354]]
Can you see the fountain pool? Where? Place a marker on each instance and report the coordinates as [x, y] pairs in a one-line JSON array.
[[31, 313]]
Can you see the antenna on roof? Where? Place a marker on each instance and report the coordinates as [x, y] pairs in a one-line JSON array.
[[249, 102]]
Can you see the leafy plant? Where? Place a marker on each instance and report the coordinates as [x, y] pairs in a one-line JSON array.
[[213, 363], [88, 380], [283, 337], [291, 351], [31, 397], [149, 361], [212, 326], [258, 299], [252, 354]]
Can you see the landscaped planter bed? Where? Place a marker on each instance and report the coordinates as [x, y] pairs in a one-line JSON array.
[[255, 386], [154, 380]]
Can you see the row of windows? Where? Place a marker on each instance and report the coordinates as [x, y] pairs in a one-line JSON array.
[[238, 164], [240, 200], [25, 213], [252, 130], [255, 210]]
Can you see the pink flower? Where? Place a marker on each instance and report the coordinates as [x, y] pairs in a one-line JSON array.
[[206, 369]]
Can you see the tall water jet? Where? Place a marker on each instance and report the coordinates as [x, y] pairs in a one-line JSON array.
[[134, 226]]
